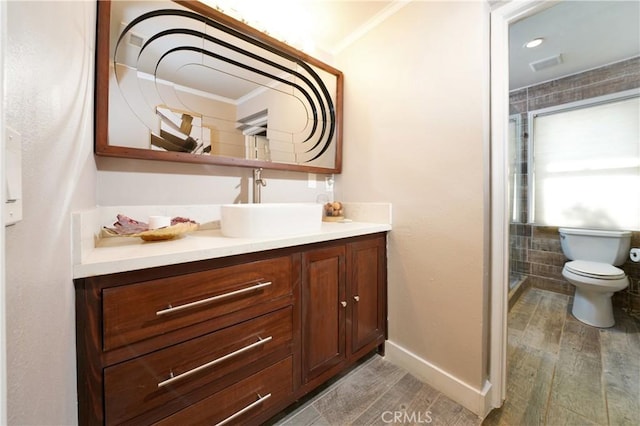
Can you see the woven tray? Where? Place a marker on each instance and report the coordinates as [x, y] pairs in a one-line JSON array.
[[160, 234]]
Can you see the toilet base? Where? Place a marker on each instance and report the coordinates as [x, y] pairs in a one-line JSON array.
[[593, 308], [592, 300]]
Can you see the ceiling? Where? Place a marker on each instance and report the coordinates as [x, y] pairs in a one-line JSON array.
[[586, 34]]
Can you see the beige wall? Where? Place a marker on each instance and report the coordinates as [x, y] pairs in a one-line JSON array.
[[415, 126], [416, 106]]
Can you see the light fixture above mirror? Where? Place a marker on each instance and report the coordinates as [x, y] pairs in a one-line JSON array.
[[181, 81]]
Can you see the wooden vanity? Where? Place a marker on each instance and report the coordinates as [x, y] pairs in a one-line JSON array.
[[233, 339]]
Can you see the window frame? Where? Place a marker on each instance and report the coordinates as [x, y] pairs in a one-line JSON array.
[[569, 106]]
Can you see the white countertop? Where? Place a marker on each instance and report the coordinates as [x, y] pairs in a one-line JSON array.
[[98, 256]]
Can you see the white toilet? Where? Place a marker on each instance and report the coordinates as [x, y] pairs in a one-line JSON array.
[[593, 254]]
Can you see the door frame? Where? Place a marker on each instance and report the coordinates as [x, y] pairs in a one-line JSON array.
[[501, 17], [3, 329]]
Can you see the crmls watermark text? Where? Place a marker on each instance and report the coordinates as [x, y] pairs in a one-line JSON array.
[[414, 417]]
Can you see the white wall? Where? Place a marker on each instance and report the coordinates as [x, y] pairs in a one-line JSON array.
[[124, 182], [416, 129], [49, 101]]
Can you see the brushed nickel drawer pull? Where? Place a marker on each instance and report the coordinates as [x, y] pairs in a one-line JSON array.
[[186, 374], [356, 298], [172, 309], [344, 303], [260, 400]]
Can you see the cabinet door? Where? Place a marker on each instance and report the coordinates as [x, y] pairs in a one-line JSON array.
[[366, 271], [323, 310]]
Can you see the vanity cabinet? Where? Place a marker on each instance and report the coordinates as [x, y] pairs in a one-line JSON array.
[[236, 338], [156, 342], [343, 305], [323, 311], [367, 295]]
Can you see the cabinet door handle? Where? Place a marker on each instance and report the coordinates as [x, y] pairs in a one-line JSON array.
[[214, 362], [232, 417], [344, 304], [356, 298], [172, 309]]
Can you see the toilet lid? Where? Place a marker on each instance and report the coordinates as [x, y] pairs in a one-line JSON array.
[[598, 270]]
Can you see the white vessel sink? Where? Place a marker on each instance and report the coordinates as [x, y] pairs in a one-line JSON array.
[[270, 219]]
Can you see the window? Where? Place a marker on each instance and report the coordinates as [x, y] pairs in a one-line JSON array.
[[586, 163]]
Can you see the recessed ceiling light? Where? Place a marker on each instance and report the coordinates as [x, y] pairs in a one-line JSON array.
[[534, 43]]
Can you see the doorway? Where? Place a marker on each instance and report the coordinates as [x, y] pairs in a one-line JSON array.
[[503, 213]]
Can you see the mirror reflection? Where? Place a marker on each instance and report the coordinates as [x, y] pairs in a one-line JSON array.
[[185, 85]]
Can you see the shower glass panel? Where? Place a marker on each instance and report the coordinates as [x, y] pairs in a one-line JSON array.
[[515, 187]]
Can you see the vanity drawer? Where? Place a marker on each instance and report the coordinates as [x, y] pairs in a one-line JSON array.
[[247, 402], [149, 384], [139, 311]]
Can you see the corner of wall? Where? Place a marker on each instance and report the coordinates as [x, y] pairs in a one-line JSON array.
[[475, 400]]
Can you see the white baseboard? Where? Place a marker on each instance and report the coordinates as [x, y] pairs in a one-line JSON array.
[[475, 400]]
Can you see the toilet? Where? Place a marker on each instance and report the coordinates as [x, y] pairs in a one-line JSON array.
[[594, 255]]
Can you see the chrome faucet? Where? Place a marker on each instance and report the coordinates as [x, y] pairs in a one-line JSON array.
[[258, 182]]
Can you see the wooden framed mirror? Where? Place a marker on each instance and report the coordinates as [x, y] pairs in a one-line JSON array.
[[181, 81]]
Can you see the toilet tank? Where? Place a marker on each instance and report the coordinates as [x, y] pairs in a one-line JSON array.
[[596, 245]]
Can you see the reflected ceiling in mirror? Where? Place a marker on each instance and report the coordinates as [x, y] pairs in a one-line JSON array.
[[180, 81]]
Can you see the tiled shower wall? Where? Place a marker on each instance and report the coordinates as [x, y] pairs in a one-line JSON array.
[[535, 250]]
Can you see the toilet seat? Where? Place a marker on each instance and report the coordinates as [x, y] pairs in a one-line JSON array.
[[594, 270]]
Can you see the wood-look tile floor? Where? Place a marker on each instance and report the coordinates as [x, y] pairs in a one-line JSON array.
[[379, 393], [564, 372], [560, 372]]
